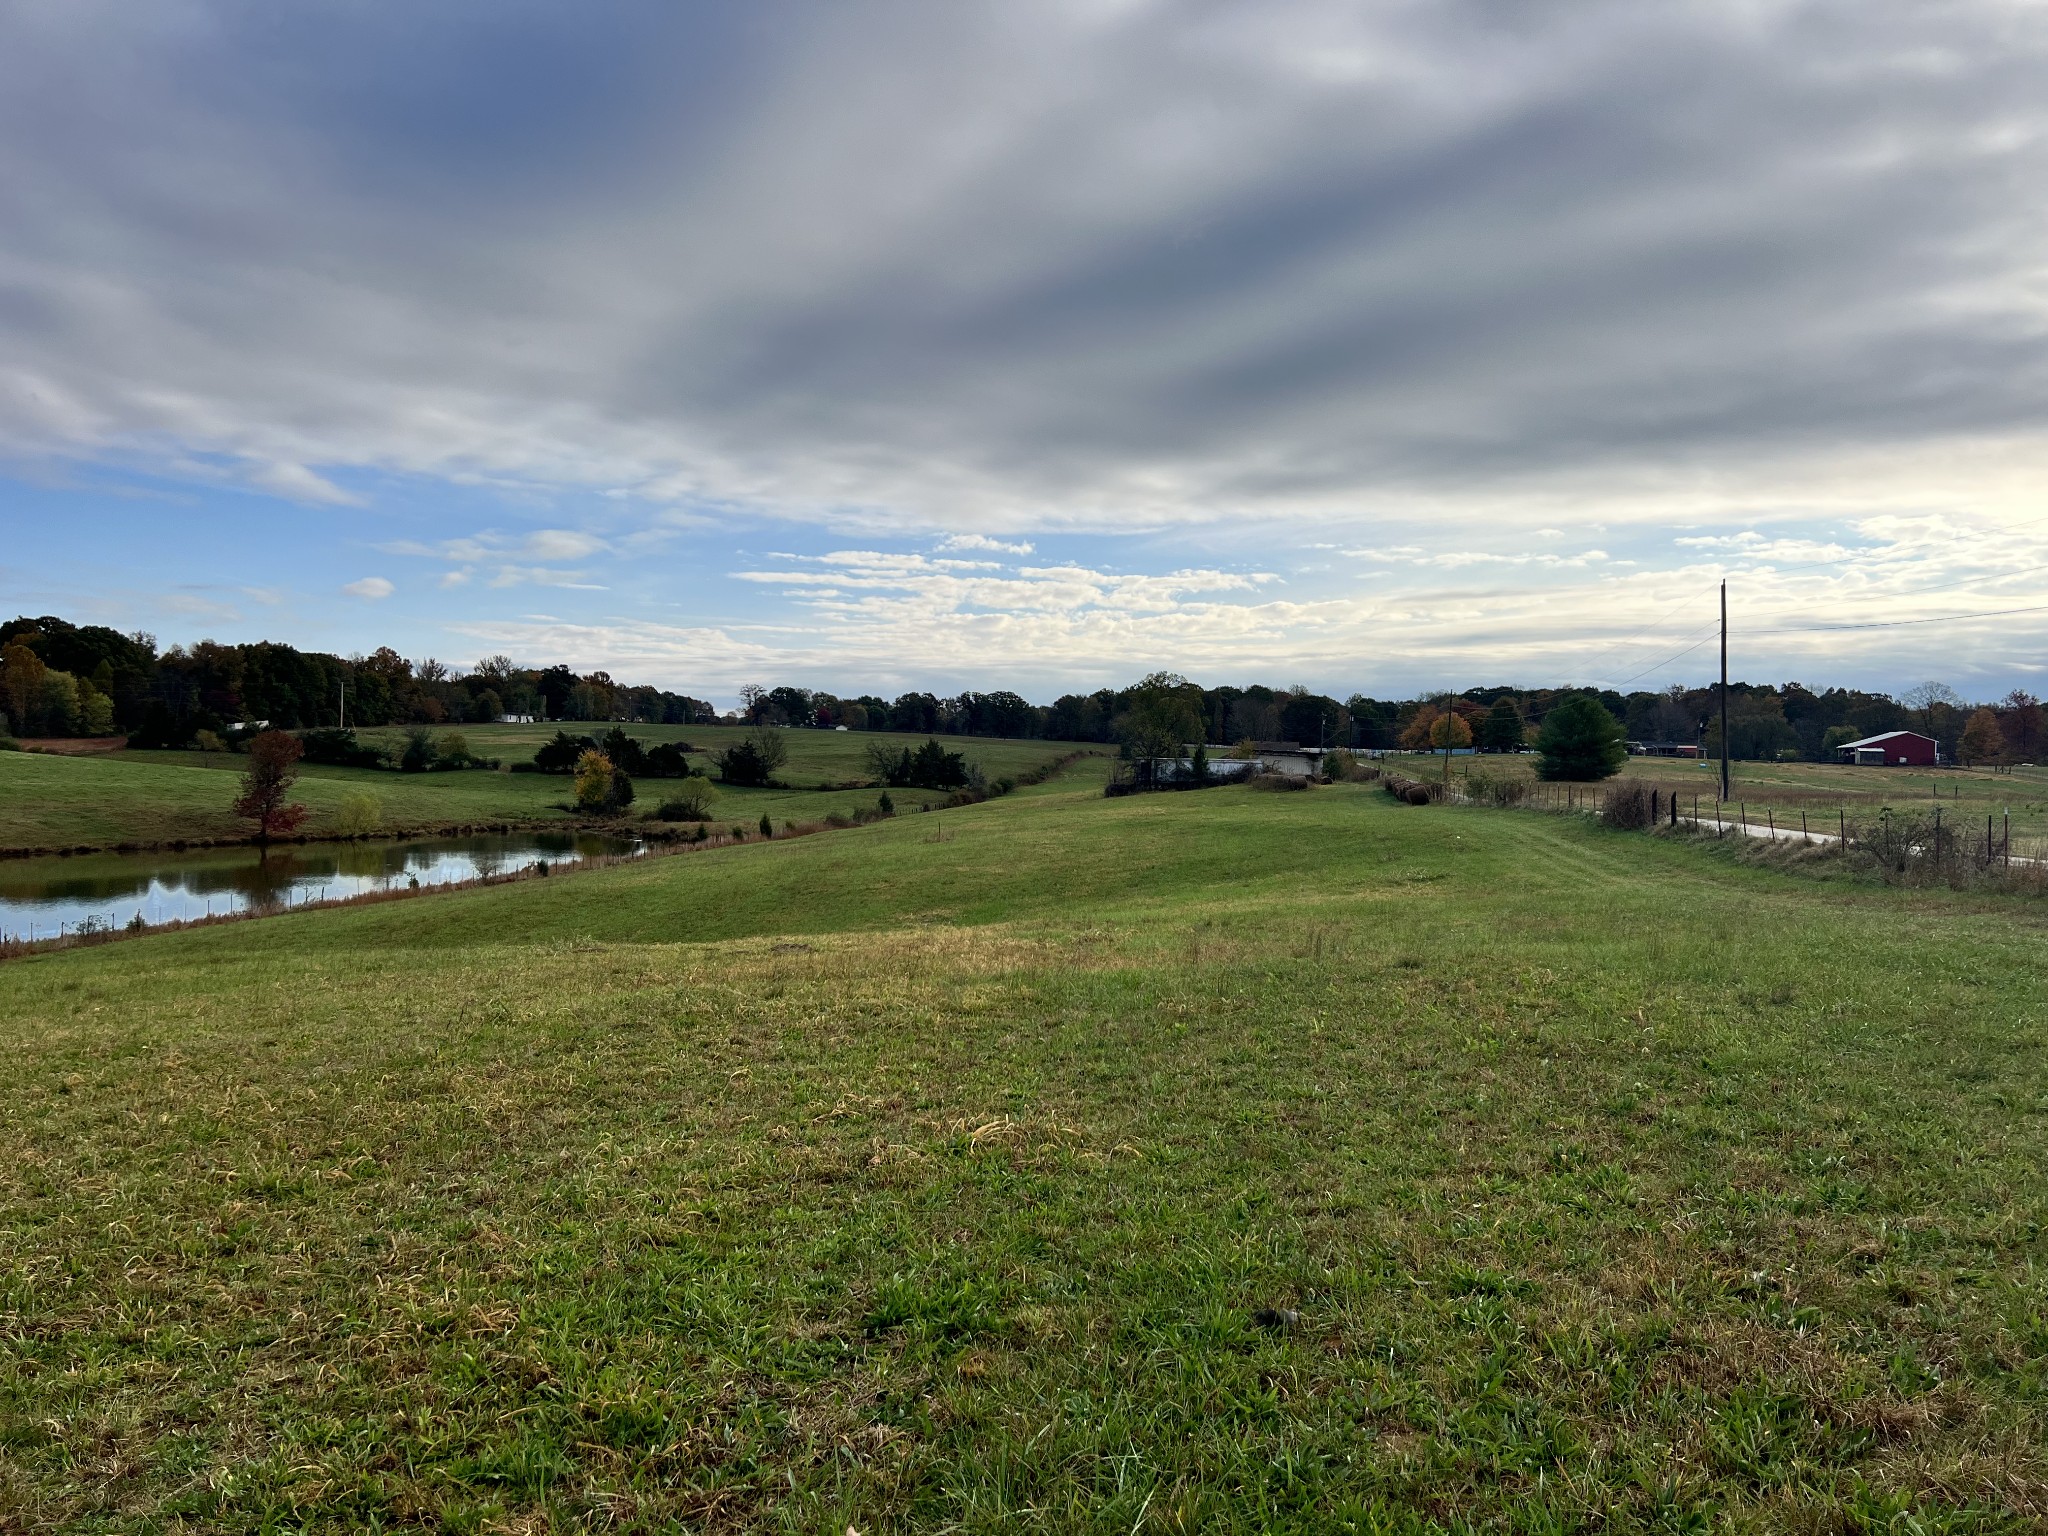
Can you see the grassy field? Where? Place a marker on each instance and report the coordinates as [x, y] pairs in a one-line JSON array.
[[159, 797], [1228, 1161], [1969, 794]]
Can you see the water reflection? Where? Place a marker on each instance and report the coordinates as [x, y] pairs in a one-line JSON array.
[[45, 895]]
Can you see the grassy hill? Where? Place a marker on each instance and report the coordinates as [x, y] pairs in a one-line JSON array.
[[1226, 1161]]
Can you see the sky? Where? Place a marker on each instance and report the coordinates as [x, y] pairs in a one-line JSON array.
[[872, 346]]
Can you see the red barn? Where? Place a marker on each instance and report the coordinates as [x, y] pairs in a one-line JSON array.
[[1893, 749]]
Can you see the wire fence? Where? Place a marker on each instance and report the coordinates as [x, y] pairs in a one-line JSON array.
[[1938, 836]]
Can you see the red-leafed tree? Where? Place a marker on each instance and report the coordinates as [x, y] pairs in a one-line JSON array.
[[267, 786]]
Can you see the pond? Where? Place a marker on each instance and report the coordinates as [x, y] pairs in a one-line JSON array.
[[43, 897]]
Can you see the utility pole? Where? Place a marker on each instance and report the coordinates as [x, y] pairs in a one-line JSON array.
[[1724, 688], [341, 688]]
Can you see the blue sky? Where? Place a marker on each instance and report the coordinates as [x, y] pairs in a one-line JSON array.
[[888, 345]]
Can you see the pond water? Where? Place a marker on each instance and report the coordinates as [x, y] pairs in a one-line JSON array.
[[46, 896]]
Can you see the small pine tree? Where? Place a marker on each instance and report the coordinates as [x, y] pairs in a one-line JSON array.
[[1580, 741], [886, 805], [767, 826]]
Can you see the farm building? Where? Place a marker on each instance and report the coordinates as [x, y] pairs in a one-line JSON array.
[[1892, 749]]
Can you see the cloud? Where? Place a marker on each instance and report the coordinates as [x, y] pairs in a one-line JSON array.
[[371, 587], [983, 541], [1165, 265], [1546, 316]]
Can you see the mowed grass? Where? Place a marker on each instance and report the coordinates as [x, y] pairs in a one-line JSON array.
[[159, 797], [936, 1179]]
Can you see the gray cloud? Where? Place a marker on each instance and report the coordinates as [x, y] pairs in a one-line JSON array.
[[1087, 264]]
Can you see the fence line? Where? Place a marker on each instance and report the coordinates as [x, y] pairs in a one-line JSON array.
[[1941, 835]]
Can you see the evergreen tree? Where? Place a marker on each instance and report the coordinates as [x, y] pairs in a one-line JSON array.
[[1580, 741], [1501, 730]]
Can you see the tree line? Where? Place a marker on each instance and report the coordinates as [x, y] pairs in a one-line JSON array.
[[60, 679]]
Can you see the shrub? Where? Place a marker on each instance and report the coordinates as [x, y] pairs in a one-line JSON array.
[[666, 761], [626, 753], [835, 819], [754, 760], [419, 753], [1627, 805], [692, 802], [1503, 787], [207, 741], [562, 752], [739, 834], [361, 814], [9, 744], [340, 748], [767, 826], [931, 766], [885, 805]]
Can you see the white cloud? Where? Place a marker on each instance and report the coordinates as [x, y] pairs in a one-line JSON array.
[[983, 541], [370, 587]]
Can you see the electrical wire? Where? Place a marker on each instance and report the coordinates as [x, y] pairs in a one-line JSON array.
[[1947, 618]]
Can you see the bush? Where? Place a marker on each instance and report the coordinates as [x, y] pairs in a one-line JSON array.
[[835, 819], [767, 826], [1502, 787], [885, 805], [753, 762], [361, 814], [207, 741], [561, 753], [690, 803], [9, 744], [931, 766], [666, 761], [339, 748], [419, 753], [1627, 805]]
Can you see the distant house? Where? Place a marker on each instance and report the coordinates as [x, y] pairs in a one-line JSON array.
[[1892, 749], [1664, 749]]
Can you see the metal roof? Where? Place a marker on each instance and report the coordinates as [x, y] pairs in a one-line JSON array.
[[1871, 741]]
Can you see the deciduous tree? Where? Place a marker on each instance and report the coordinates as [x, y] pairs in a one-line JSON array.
[[1982, 741], [266, 788]]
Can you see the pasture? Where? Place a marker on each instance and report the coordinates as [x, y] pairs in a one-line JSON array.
[[140, 798], [1221, 1161]]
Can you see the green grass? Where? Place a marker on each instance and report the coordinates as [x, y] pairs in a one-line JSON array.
[[159, 797], [927, 1179], [1969, 794]]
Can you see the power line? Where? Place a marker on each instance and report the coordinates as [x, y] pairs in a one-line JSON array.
[[1948, 618], [1654, 666]]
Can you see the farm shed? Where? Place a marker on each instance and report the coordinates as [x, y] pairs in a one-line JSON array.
[[1892, 749]]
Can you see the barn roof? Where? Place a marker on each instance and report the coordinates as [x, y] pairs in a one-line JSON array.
[[1871, 741]]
